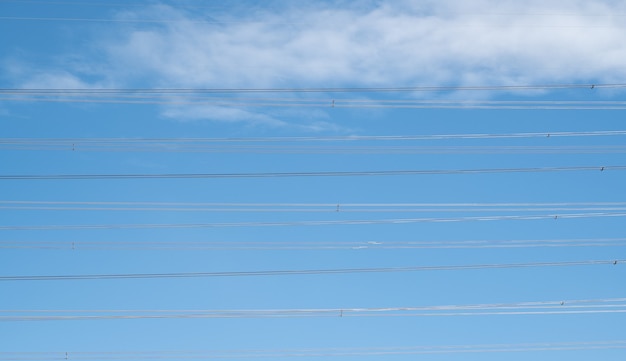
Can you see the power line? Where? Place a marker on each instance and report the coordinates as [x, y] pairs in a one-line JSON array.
[[302, 245], [310, 174], [306, 272], [311, 149], [590, 306], [113, 4], [315, 352], [364, 104], [190, 21], [349, 138], [311, 223], [309, 207], [339, 144], [65, 91]]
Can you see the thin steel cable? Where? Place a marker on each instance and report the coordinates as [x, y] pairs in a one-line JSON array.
[[315, 352], [602, 306], [114, 4], [310, 223], [307, 90], [336, 103], [310, 207], [310, 174], [350, 138], [322, 145], [187, 147], [306, 272], [294, 245]]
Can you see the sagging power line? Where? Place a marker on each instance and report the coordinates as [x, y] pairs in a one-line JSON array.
[[372, 144], [63, 91], [312, 174], [314, 352], [290, 245], [392, 221], [335, 271], [572, 307], [330, 103], [310, 207]]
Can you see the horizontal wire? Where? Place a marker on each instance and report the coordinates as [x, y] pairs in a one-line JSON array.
[[304, 90], [191, 5], [226, 22], [306, 272], [577, 303], [204, 96], [316, 205], [317, 149], [316, 210], [603, 306], [321, 245], [343, 144], [310, 223], [309, 174], [114, 4], [310, 207], [315, 352], [588, 105], [349, 138], [150, 21]]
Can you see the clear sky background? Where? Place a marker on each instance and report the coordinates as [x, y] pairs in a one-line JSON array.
[[492, 66]]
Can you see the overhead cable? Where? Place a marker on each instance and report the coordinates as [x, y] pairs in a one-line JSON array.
[[362, 144], [339, 103], [313, 149], [349, 138], [305, 90], [335, 271], [311, 207], [572, 307], [309, 223], [311, 174], [314, 352], [117, 244]]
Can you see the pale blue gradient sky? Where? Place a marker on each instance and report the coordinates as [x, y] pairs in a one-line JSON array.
[[279, 44]]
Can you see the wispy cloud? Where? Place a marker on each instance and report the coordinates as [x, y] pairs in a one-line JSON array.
[[365, 43], [392, 43]]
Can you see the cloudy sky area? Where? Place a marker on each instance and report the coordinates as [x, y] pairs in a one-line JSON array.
[[281, 44], [519, 188], [320, 44], [330, 44]]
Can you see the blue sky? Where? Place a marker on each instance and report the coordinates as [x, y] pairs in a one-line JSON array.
[[416, 221]]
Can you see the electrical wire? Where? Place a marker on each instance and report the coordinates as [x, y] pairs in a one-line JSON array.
[[114, 4], [363, 104], [309, 174], [199, 97], [316, 145], [309, 207], [349, 138], [315, 149], [571, 307], [108, 91], [188, 21], [314, 352], [312, 207], [57, 227], [302, 245], [307, 272], [343, 144]]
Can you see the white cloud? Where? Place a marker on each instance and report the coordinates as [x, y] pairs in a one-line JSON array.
[[308, 121], [219, 113], [362, 43], [394, 43]]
